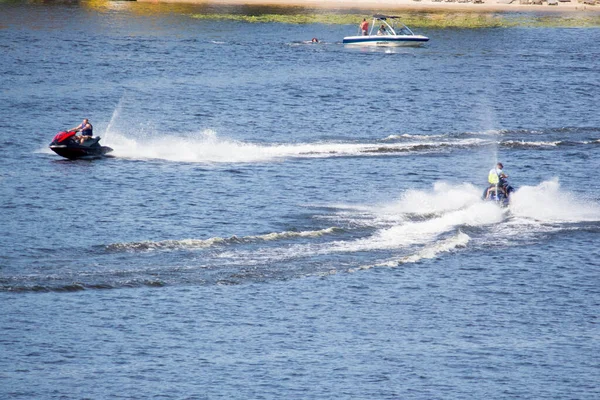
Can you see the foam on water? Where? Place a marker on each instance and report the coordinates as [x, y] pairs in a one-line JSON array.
[[207, 147], [534, 210], [459, 240], [444, 197], [414, 137], [547, 203], [522, 143], [421, 218], [423, 222], [425, 232], [216, 241], [420, 225], [443, 246], [411, 204]]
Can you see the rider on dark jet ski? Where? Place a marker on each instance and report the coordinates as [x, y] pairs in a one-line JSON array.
[[68, 145], [497, 178], [86, 129]]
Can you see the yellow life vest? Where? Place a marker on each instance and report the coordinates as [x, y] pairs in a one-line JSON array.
[[493, 178]]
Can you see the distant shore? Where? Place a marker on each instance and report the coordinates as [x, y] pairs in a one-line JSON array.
[[486, 6]]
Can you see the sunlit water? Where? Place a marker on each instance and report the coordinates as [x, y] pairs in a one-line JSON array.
[[291, 220]]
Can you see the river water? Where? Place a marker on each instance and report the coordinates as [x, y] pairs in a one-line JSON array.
[[290, 220]]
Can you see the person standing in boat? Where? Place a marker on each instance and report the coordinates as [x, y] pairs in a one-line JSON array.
[[86, 129], [364, 27]]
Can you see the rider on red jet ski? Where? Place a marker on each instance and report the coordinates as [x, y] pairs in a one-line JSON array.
[[86, 129]]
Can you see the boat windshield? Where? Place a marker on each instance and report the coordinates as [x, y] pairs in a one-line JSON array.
[[384, 25]]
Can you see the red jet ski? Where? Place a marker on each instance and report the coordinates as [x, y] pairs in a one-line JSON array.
[[65, 145]]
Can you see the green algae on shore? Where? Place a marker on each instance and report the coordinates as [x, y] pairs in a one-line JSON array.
[[463, 20]]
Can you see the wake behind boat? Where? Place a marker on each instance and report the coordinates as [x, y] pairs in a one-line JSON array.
[[65, 145], [387, 30]]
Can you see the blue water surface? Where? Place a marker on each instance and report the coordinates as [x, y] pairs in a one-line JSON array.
[[287, 220]]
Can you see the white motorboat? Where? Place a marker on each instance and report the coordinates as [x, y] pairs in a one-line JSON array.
[[387, 30]]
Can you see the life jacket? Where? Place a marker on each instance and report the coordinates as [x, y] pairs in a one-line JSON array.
[[493, 177], [87, 132]]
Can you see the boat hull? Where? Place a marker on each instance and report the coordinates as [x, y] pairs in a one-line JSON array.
[[65, 145], [388, 40], [80, 152]]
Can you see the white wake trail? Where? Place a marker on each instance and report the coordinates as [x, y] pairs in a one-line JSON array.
[[425, 232], [548, 203], [207, 147], [191, 244], [428, 252]]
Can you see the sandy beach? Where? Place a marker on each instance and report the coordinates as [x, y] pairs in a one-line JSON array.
[[573, 6]]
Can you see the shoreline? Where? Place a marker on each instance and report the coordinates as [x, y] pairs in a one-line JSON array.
[[487, 6]]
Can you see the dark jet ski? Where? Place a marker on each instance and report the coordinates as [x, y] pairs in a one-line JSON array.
[[65, 145], [499, 194]]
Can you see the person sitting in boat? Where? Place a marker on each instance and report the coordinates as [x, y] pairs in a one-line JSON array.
[[382, 31], [497, 177], [364, 27], [86, 129]]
